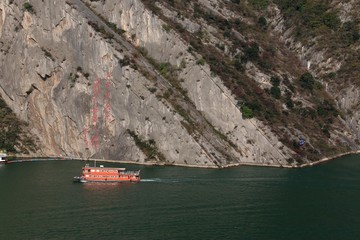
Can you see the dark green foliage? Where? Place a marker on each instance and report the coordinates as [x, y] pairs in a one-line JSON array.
[[331, 20], [166, 28], [238, 24], [10, 128], [275, 92], [239, 65], [252, 52], [262, 23], [264, 64], [295, 144], [259, 4], [307, 81], [200, 61], [321, 111], [289, 103], [246, 112], [327, 108], [152, 90], [275, 81], [255, 105], [309, 16], [28, 7], [165, 69], [349, 32], [227, 33], [307, 113], [331, 75], [114, 27]]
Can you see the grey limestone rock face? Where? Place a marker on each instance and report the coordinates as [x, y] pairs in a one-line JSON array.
[[254, 140], [86, 91], [65, 80]]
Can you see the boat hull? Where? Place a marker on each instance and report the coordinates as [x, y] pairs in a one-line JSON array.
[[84, 180], [99, 181]]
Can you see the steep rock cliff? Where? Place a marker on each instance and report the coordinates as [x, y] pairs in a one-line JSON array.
[[113, 80]]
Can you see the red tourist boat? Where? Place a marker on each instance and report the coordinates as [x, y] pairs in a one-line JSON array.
[[107, 174]]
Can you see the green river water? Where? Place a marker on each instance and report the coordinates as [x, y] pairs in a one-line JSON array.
[[40, 201]]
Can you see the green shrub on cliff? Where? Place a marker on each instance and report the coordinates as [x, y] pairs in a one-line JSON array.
[[307, 81], [28, 7], [10, 128], [246, 112]]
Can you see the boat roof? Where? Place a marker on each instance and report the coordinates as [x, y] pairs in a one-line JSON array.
[[104, 168]]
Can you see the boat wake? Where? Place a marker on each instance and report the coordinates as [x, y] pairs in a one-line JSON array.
[[209, 180], [150, 180], [159, 180]]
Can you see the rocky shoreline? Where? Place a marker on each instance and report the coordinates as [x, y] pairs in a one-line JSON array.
[[28, 158]]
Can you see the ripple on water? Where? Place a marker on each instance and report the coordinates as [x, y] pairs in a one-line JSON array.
[[41, 202]]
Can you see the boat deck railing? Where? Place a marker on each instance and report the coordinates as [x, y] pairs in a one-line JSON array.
[[130, 172]]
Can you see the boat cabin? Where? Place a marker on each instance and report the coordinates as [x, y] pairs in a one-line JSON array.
[[107, 174]]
